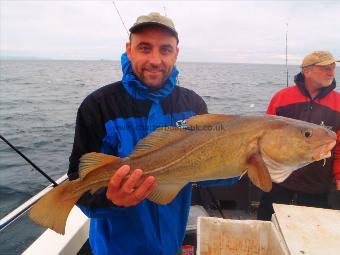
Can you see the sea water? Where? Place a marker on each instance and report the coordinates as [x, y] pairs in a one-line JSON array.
[[39, 102]]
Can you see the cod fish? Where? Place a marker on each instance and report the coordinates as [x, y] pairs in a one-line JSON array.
[[211, 146]]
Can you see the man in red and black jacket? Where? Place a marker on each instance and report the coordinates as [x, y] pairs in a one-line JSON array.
[[313, 99]]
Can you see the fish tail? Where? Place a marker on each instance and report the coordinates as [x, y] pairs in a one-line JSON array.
[[52, 210]]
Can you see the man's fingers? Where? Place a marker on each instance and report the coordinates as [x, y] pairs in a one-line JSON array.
[[145, 188], [130, 183], [151, 188], [124, 191], [117, 178]]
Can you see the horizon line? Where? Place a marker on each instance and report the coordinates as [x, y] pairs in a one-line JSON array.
[[32, 58]]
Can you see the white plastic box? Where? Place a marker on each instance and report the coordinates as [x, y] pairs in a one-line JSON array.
[[216, 236], [294, 230]]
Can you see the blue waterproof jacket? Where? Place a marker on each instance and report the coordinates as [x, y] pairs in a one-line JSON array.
[[112, 120]]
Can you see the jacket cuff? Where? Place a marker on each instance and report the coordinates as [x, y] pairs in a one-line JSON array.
[[97, 205], [102, 213]]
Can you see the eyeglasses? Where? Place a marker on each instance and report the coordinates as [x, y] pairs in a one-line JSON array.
[[326, 68]]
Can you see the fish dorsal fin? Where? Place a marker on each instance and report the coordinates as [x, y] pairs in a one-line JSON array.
[[208, 119], [166, 192], [159, 138], [92, 161], [257, 170]]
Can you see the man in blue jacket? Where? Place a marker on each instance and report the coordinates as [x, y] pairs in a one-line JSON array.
[[112, 120]]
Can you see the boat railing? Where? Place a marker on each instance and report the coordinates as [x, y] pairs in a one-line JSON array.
[[23, 208]]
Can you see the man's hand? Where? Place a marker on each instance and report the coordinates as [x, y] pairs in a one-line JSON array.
[[337, 184], [129, 191]]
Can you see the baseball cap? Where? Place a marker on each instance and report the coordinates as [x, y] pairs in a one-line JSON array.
[[154, 18], [319, 58]]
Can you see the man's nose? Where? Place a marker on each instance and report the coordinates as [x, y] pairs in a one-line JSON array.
[[330, 71], [155, 58]]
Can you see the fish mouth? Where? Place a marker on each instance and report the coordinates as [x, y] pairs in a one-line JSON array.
[[323, 151]]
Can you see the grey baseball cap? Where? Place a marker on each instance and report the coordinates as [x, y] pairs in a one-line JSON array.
[[154, 18]]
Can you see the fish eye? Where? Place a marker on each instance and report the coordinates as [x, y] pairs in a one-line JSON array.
[[307, 133]]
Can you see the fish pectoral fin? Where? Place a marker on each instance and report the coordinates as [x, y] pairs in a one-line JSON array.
[[92, 161], [208, 119], [166, 192], [258, 172]]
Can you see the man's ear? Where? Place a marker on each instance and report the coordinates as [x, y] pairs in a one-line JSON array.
[[306, 71], [128, 50], [177, 51]]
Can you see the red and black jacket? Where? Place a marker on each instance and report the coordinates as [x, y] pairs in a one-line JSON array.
[[295, 102]]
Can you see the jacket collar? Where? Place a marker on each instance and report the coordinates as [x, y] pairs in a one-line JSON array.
[[299, 80], [139, 90]]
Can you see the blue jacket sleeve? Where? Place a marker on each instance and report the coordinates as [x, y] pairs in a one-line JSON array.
[[88, 133]]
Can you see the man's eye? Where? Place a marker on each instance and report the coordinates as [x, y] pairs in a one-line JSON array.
[[144, 49], [166, 50]]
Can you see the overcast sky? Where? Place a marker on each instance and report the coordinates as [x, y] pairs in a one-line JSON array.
[[209, 31]]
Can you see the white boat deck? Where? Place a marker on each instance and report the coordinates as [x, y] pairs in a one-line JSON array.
[[308, 230], [76, 234]]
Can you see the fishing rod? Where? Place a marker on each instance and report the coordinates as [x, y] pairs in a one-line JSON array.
[[121, 19], [287, 53], [29, 161], [26, 158], [164, 11]]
